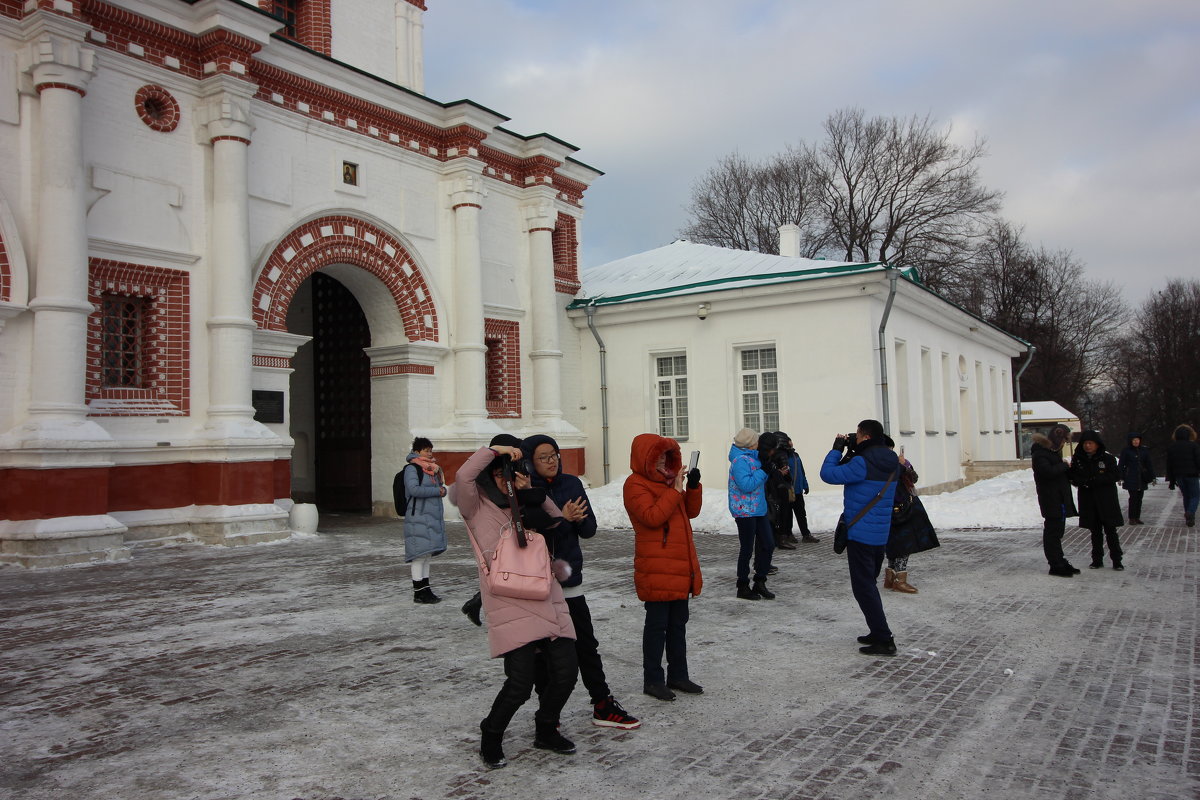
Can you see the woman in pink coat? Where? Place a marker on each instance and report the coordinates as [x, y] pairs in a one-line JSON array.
[[522, 631]]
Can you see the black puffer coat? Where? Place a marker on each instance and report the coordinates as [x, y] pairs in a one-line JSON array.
[[1183, 455], [1096, 476], [1051, 481], [1135, 466]]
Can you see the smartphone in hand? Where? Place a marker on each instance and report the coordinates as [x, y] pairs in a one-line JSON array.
[[694, 461]]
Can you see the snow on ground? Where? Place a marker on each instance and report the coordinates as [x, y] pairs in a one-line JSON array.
[[1006, 501]]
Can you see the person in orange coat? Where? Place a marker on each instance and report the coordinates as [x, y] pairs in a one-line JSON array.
[[661, 498]]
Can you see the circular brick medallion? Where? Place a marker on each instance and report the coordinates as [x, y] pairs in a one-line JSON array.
[[157, 108]]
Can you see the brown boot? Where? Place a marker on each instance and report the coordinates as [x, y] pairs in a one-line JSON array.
[[901, 584], [889, 578]]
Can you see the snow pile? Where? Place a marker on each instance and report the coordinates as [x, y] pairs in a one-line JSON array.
[[1006, 501]]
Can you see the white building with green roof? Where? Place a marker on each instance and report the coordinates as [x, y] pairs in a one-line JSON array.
[[694, 342]]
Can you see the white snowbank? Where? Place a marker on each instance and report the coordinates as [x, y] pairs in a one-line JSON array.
[[1006, 501]]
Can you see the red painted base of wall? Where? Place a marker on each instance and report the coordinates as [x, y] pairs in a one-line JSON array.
[[48, 493]]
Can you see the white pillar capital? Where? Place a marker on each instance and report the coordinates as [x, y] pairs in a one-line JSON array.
[[540, 214], [224, 115], [57, 60]]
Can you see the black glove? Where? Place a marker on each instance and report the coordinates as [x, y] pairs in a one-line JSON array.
[[693, 479], [535, 518], [1171, 486], [839, 443], [806, 491]]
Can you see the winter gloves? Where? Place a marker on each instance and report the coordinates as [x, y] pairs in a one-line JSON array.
[[693, 479]]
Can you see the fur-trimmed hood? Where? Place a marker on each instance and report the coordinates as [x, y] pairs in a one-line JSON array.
[[644, 453]]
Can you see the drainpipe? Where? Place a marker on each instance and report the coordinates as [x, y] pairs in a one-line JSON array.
[[591, 312], [893, 274], [1017, 387]]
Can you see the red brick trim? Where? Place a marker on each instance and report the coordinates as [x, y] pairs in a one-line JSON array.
[[157, 108], [228, 138], [273, 362], [344, 240], [166, 347], [5, 272], [418, 3], [466, 205], [503, 367], [566, 255], [41, 87], [313, 27], [402, 369]]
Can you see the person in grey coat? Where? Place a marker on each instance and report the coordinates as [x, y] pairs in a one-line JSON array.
[[424, 528]]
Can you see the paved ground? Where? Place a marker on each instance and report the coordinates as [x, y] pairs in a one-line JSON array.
[[303, 670]]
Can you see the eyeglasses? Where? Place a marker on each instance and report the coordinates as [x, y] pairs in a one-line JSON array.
[[550, 459]]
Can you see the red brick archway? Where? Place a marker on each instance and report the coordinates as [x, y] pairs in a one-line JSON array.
[[344, 240]]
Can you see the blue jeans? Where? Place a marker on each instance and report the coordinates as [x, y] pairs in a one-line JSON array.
[[865, 561], [666, 629], [754, 531], [1191, 493]]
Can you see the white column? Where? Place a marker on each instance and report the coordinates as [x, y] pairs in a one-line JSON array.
[[546, 353], [60, 70], [470, 392], [410, 46], [225, 123]]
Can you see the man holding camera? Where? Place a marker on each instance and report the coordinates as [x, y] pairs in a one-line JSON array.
[[868, 475]]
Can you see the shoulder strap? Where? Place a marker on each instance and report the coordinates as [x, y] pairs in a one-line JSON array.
[[891, 479]]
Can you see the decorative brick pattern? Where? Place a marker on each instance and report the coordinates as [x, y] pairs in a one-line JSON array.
[[566, 255], [41, 87], [344, 240], [311, 27], [274, 362], [155, 43], [165, 379], [14, 9], [402, 369], [157, 108], [5, 272], [503, 366]]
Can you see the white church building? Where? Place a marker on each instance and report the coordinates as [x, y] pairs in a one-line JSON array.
[[244, 260], [695, 342]]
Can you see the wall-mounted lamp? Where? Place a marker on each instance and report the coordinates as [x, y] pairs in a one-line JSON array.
[[703, 309]]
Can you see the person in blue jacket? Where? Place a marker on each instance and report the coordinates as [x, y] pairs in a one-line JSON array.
[[424, 528], [748, 505], [544, 465], [864, 476]]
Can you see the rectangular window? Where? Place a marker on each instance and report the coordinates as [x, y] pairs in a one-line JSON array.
[[760, 389], [927, 391], [494, 366], [903, 391], [671, 393], [287, 11], [122, 322], [949, 397]]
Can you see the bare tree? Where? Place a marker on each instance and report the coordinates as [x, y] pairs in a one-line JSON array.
[[879, 189]]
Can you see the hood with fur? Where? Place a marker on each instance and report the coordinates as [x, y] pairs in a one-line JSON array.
[[644, 453]]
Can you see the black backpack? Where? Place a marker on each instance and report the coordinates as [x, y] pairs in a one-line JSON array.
[[398, 495]]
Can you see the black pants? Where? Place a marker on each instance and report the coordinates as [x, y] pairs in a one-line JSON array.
[[1099, 534], [587, 653], [865, 561], [801, 515], [1052, 535], [1135, 504], [520, 667], [665, 630]]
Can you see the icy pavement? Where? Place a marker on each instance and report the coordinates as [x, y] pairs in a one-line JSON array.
[[304, 670]]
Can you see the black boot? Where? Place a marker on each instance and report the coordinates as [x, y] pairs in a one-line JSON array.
[[423, 594], [760, 586], [472, 608], [547, 737], [744, 592], [490, 748]]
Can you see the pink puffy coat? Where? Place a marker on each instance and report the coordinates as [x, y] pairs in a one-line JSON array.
[[511, 623]]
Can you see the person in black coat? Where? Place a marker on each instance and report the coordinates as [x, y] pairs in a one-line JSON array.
[[1054, 496], [1137, 472], [1183, 469], [1094, 471]]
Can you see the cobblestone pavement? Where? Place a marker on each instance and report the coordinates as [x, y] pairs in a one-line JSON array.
[[304, 670]]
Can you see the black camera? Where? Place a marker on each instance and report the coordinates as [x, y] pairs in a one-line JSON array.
[[779, 459]]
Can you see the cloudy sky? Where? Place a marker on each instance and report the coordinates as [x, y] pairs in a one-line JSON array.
[[1091, 108]]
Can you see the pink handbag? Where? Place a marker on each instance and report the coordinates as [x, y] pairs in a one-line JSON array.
[[519, 572]]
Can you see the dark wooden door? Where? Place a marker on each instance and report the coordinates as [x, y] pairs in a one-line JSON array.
[[342, 388]]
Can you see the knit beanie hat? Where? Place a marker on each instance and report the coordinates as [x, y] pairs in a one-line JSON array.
[[746, 439]]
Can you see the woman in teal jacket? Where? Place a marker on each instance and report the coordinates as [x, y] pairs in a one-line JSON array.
[[748, 505]]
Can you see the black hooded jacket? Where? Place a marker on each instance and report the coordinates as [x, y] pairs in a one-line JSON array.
[[1135, 465], [1050, 479], [1183, 455], [1096, 475], [562, 489]]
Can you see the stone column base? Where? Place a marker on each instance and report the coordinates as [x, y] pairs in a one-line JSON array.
[[62, 541], [234, 526]]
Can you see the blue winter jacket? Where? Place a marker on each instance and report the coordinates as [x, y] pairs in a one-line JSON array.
[[863, 476], [796, 468], [424, 529], [565, 544], [747, 484]]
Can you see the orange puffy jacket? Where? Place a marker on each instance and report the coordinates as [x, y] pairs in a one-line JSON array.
[[665, 565]]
